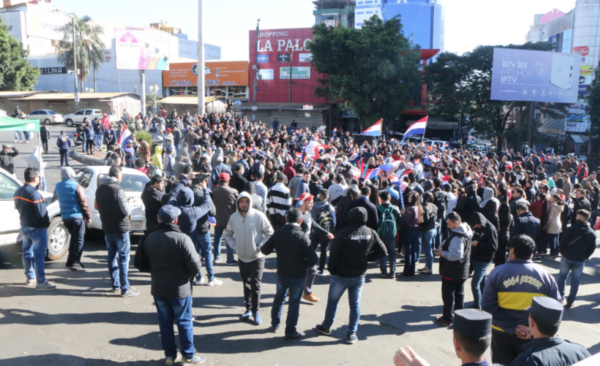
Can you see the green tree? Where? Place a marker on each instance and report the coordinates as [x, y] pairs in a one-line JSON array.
[[461, 87], [16, 73], [373, 67], [90, 48], [593, 105]]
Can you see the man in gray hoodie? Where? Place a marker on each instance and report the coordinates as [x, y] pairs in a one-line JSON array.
[[247, 230]]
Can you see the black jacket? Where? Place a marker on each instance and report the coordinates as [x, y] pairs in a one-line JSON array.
[[294, 252], [526, 224], [372, 217], [555, 351], [203, 225], [487, 240], [31, 207], [354, 246], [6, 160], [173, 261], [580, 204], [579, 242], [238, 182], [152, 203]]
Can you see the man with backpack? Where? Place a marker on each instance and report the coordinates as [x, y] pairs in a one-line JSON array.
[[389, 222], [323, 214]]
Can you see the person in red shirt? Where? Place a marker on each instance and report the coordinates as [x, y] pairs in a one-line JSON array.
[[105, 122]]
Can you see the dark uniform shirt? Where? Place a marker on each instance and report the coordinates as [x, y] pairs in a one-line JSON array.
[[480, 363], [555, 351]]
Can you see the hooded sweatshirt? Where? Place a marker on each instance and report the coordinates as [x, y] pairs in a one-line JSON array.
[[245, 235], [487, 240], [157, 157], [190, 214], [354, 246]]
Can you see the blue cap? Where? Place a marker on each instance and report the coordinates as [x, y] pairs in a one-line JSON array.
[[547, 309], [168, 213]]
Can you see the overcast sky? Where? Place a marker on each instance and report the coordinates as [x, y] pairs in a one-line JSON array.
[[468, 23]]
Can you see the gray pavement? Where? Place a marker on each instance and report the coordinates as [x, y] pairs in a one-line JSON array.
[[83, 323]]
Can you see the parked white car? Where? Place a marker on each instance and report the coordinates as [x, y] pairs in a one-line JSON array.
[[46, 116], [77, 117], [58, 237], [133, 184]]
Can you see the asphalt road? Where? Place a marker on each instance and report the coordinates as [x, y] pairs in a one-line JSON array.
[[83, 323]]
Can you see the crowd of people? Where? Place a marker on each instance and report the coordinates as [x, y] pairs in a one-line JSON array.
[[327, 206]]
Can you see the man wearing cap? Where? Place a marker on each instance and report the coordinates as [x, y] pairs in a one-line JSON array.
[[172, 262], [224, 198], [6, 158], [576, 246], [310, 227], [294, 255], [547, 347], [279, 201], [508, 292], [247, 230], [152, 199], [471, 337]]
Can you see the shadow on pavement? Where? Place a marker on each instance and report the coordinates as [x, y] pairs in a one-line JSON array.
[[62, 360]]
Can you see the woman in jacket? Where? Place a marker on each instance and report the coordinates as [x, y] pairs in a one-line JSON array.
[[412, 217], [554, 224], [490, 206], [427, 231], [539, 209]]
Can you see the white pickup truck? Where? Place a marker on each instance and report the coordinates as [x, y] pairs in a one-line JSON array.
[[77, 117]]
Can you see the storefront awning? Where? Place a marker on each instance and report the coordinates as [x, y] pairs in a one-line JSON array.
[[579, 139], [183, 100]]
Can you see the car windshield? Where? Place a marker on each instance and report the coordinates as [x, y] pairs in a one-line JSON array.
[[130, 182]]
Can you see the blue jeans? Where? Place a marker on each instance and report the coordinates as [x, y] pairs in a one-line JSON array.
[[217, 245], [576, 269], [27, 135], [337, 287], [428, 242], [553, 244], [478, 281], [18, 136], [412, 248], [390, 244], [118, 259], [98, 142], [178, 311], [204, 248], [295, 286], [35, 243]]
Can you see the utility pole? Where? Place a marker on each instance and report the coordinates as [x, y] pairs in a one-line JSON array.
[[255, 68], [75, 66], [530, 125], [200, 68], [143, 82]]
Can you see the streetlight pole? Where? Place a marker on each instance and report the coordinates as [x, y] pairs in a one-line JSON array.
[[255, 67], [75, 65], [200, 67]]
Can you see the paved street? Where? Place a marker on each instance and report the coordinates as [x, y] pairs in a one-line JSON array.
[[83, 323]]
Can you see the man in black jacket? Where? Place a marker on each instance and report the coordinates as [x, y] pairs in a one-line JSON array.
[[238, 181], [576, 246], [294, 255], [6, 158], [371, 209], [34, 222], [525, 223], [580, 203], [483, 250], [547, 347], [152, 199], [173, 262], [351, 249]]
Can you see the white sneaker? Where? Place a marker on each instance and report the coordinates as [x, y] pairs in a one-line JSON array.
[[46, 286], [215, 282], [201, 282], [31, 282]]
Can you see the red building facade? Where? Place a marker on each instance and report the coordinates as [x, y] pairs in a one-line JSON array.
[[276, 47]]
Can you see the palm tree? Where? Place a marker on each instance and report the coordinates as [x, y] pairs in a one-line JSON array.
[[90, 48]]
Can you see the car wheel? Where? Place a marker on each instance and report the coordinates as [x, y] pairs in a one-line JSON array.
[[69, 123], [58, 239], [47, 121]]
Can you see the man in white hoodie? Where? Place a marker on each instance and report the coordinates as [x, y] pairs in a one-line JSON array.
[[247, 230]]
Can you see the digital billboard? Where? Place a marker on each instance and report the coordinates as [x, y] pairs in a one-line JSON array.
[[141, 49], [535, 76]]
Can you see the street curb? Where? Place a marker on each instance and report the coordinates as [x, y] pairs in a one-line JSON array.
[[84, 159]]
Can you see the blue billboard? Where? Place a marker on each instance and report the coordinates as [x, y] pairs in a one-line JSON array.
[[262, 59], [535, 76]]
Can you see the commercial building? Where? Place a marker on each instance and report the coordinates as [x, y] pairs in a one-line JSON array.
[[422, 20], [36, 24], [573, 32], [334, 13]]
